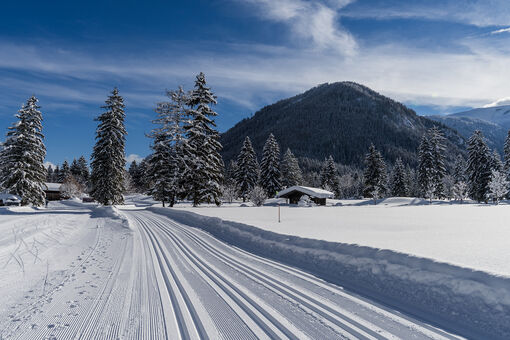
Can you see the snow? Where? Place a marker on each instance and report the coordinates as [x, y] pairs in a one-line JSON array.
[[460, 234], [475, 302], [314, 192], [53, 186]]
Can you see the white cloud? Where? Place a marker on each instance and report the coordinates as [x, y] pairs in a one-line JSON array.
[[312, 21], [133, 157], [48, 164], [499, 102], [503, 30]]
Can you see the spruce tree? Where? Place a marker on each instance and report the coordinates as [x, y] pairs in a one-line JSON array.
[[399, 181], [375, 176], [329, 175], [479, 167], [437, 142], [203, 164], [247, 169], [459, 170], [84, 173], [22, 171], [65, 171], [291, 173], [49, 174], [425, 166], [496, 163], [270, 174], [506, 151], [108, 158], [160, 169]]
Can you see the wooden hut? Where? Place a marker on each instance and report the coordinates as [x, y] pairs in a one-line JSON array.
[[294, 194], [52, 191]]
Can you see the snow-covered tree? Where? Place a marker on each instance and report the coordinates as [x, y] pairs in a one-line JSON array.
[[71, 188], [229, 192], [247, 169], [65, 171], [49, 174], [108, 158], [479, 167], [375, 177], [425, 165], [22, 171], [258, 195], [506, 151], [437, 143], [166, 165], [203, 165], [460, 191], [84, 173], [399, 185], [160, 169], [496, 163], [270, 174], [498, 186], [459, 169], [291, 173], [329, 175]]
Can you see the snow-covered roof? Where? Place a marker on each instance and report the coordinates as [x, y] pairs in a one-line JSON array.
[[313, 192], [53, 186], [5, 196]]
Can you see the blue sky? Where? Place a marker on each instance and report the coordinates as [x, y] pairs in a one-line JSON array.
[[437, 56]]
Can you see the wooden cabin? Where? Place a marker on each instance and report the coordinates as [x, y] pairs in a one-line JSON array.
[[294, 194], [52, 191]]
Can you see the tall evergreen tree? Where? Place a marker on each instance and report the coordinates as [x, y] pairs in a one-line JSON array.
[[49, 174], [75, 169], [437, 142], [426, 166], [160, 169], [108, 158], [329, 175], [270, 174], [56, 175], [496, 163], [459, 170], [247, 169], [22, 171], [375, 174], [479, 167], [399, 183], [84, 174], [506, 151], [65, 171], [201, 150], [291, 173]]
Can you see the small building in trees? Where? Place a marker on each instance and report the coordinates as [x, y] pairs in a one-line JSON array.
[[52, 191], [294, 194]]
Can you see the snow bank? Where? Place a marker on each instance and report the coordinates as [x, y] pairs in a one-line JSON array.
[[111, 212], [474, 303]]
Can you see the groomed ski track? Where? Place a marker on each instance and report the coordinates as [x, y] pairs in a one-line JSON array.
[[165, 280]]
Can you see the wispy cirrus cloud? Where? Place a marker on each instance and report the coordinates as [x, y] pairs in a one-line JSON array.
[[315, 22]]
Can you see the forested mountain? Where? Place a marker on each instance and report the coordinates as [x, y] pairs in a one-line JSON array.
[[465, 126], [498, 115], [342, 120]]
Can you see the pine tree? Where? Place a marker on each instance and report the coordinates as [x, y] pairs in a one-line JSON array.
[[83, 173], [375, 174], [65, 171], [506, 150], [399, 181], [437, 143], [166, 165], [459, 170], [56, 175], [425, 166], [203, 165], [270, 167], [22, 171], [160, 169], [108, 158], [496, 163], [329, 175], [49, 174], [247, 169], [479, 167], [291, 173], [498, 186]]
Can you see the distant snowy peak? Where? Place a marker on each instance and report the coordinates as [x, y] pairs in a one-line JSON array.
[[498, 115]]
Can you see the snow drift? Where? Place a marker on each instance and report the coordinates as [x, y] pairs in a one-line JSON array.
[[474, 303]]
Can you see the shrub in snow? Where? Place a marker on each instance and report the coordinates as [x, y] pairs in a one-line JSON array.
[[305, 201], [229, 192], [71, 188], [460, 191], [258, 196], [498, 186]]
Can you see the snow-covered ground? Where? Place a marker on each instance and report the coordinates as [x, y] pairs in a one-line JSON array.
[[468, 235], [78, 271]]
